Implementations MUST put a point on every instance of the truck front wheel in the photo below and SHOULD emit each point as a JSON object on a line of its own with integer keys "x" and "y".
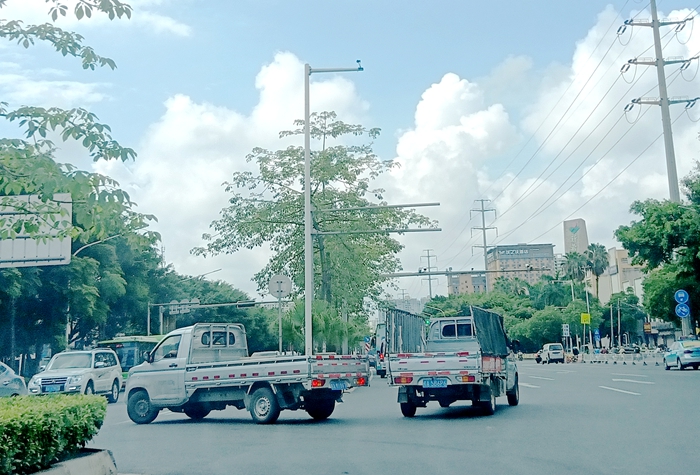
{"x": 264, "y": 408}
{"x": 320, "y": 409}
{"x": 408, "y": 409}
{"x": 140, "y": 409}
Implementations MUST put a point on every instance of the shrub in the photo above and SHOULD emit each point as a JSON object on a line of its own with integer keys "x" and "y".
{"x": 38, "y": 431}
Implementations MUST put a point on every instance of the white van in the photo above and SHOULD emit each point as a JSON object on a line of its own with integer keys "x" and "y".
{"x": 552, "y": 353}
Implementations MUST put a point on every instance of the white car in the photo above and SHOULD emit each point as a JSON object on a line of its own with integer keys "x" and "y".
{"x": 552, "y": 353}
{"x": 80, "y": 372}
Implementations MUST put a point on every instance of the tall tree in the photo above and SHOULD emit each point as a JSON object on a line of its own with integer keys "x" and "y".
{"x": 666, "y": 240}
{"x": 267, "y": 208}
{"x": 597, "y": 257}
{"x": 575, "y": 265}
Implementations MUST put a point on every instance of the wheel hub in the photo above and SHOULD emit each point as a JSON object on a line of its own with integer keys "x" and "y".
{"x": 262, "y": 407}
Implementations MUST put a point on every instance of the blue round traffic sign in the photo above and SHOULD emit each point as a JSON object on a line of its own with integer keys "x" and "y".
{"x": 681, "y": 296}
{"x": 682, "y": 310}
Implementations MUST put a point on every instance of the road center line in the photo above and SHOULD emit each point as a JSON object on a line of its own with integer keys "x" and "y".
{"x": 528, "y": 385}
{"x": 633, "y": 381}
{"x": 620, "y": 390}
{"x": 542, "y": 377}
{"x": 628, "y": 374}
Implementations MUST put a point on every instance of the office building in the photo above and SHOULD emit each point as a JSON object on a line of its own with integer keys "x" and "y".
{"x": 528, "y": 262}
{"x": 467, "y": 282}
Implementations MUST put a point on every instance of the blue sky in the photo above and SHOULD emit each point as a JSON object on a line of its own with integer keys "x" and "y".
{"x": 467, "y": 94}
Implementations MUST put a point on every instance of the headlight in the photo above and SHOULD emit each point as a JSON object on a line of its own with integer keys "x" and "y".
{"x": 35, "y": 382}
{"x": 75, "y": 379}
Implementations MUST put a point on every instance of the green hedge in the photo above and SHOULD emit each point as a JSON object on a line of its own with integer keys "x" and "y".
{"x": 38, "y": 431}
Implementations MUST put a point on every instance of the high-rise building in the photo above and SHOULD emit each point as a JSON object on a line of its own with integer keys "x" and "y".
{"x": 575, "y": 236}
{"x": 466, "y": 282}
{"x": 528, "y": 262}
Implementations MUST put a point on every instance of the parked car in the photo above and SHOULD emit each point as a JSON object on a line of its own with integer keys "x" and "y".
{"x": 10, "y": 383}
{"x": 552, "y": 353}
{"x": 682, "y": 354}
{"x": 87, "y": 372}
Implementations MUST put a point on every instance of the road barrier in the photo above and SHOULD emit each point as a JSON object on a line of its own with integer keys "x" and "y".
{"x": 647, "y": 358}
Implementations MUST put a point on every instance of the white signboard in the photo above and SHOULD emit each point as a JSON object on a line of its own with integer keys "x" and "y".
{"x": 23, "y": 251}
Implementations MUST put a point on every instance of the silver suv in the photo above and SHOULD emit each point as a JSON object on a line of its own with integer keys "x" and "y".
{"x": 85, "y": 372}
{"x": 552, "y": 353}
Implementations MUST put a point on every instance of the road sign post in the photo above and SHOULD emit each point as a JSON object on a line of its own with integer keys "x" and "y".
{"x": 683, "y": 310}
{"x": 279, "y": 287}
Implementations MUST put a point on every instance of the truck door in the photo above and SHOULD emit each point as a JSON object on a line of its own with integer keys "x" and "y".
{"x": 167, "y": 372}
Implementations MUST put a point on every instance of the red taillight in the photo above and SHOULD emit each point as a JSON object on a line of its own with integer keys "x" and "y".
{"x": 403, "y": 380}
{"x": 381, "y": 356}
{"x": 317, "y": 383}
{"x": 361, "y": 381}
{"x": 466, "y": 379}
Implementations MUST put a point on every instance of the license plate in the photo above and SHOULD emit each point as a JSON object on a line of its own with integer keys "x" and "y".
{"x": 338, "y": 385}
{"x": 435, "y": 383}
{"x": 53, "y": 388}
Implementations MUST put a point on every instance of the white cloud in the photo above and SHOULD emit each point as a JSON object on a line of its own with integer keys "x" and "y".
{"x": 37, "y": 12}
{"x": 19, "y": 89}
{"x": 194, "y": 147}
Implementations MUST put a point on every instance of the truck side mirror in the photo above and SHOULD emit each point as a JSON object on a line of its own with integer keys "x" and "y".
{"x": 147, "y": 356}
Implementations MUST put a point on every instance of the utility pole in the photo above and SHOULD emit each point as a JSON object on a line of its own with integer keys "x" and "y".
{"x": 663, "y": 100}
{"x": 483, "y": 210}
{"x": 429, "y": 269}
{"x": 619, "y": 333}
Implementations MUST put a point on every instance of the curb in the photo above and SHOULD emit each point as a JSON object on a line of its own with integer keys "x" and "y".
{"x": 86, "y": 462}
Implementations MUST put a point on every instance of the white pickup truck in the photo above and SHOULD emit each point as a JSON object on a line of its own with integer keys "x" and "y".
{"x": 464, "y": 358}
{"x": 206, "y": 367}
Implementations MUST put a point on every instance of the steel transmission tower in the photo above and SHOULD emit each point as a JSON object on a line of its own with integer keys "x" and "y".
{"x": 663, "y": 100}
{"x": 483, "y": 210}
{"x": 429, "y": 269}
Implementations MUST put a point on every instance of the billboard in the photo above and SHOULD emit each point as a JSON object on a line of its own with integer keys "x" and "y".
{"x": 44, "y": 248}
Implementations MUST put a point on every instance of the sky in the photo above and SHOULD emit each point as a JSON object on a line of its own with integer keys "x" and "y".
{"x": 520, "y": 102}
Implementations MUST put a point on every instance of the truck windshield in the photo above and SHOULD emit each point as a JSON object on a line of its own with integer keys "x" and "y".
{"x": 66, "y": 361}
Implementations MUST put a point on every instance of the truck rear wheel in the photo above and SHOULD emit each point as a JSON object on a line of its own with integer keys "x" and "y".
{"x": 514, "y": 395}
{"x": 408, "y": 409}
{"x": 264, "y": 408}
{"x": 489, "y": 407}
{"x": 140, "y": 409}
{"x": 196, "y": 412}
{"x": 320, "y": 409}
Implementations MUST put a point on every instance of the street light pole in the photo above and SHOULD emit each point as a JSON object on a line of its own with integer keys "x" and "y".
{"x": 308, "y": 244}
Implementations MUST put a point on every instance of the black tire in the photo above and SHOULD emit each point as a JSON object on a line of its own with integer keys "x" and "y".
{"x": 196, "y": 412}
{"x": 264, "y": 408}
{"x": 680, "y": 365}
{"x": 514, "y": 396}
{"x": 140, "y": 409}
{"x": 320, "y": 409}
{"x": 444, "y": 403}
{"x": 90, "y": 388}
{"x": 666, "y": 366}
{"x": 408, "y": 409}
{"x": 113, "y": 395}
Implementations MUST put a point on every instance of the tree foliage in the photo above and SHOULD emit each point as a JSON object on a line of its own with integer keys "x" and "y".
{"x": 666, "y": 240}
{"x": 266, "y": 208}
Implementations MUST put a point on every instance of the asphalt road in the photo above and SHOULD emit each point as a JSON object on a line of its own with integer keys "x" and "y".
{"x": 574, "y": 418}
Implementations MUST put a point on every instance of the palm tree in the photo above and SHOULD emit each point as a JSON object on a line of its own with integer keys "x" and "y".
{"x": 575, "y": 266}
{"x": 597, "y": 258}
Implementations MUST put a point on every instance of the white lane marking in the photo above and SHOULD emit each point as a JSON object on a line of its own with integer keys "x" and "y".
{"x": 542, "y": 377}
{"x": 628, "y": 374}
{"x": 565, "y": 372}
{"x": 528, "y": 385}
{"x": 620, "y": 390}
{"x": 633, "y": 381}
